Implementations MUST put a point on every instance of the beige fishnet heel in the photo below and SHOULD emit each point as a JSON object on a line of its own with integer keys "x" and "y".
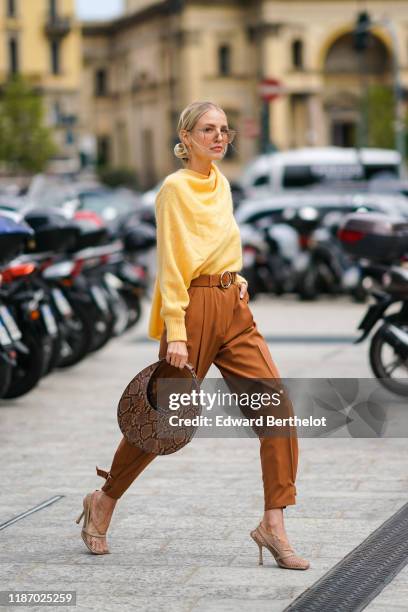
{"x": 283, "y": 553}
{"x": 87, "y": 513}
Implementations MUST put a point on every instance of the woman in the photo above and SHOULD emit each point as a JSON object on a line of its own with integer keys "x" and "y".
{"x": 200, "y": 314}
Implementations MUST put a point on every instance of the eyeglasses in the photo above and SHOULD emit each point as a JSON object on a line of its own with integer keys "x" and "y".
{"x": 209, "y": 134}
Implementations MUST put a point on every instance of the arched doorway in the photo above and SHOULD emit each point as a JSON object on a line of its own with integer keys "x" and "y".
{"x": 347, "y": 75}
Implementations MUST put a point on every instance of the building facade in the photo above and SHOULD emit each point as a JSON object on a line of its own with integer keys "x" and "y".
{"x": 41, "y": 40}
{"x": 141, "y": 70}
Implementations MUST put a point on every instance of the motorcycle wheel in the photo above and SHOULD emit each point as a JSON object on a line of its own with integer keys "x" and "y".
{"x": 77, "y": 336}
{"x": 102, "y": 330}
{"x": 29, "y": 367}
{"x": 380, "y": 369}
{"x": 359, "y": 294}
{"x": 307, "y": 285}
{"x": 54, "y": 354}
{"x": 5, "y": 376}
{"x": 121, "y": 315}
{"x": 134, "y": 308}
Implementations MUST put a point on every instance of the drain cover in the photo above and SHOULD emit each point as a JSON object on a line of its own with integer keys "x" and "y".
{"x": 358, "y": 578}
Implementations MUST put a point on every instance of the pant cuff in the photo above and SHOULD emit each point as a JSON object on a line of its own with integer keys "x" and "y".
{"x": 288, "y": 499}
{"x": 107, "y": 487}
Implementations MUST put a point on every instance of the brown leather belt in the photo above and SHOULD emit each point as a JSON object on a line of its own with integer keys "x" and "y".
{"x": 225, "y": 279}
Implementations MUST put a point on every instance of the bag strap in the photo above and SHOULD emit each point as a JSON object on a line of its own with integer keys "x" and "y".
{"x": 188, "y": 365}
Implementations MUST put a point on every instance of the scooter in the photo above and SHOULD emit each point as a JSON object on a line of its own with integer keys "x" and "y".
{"x": 389, "y": 345}
{"x": 380, "y": 242}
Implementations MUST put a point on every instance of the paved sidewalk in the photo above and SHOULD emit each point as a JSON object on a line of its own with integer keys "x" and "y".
{"x": 180, "y": 535}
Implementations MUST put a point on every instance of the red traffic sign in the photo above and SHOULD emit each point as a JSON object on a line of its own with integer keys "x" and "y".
{"x": 269, "y": 89}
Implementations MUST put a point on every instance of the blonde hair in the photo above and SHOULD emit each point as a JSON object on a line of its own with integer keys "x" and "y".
{"x": 188, "y": 119}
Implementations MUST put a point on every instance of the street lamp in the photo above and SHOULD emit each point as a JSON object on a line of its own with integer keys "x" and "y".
{"x": 361, "y": 31}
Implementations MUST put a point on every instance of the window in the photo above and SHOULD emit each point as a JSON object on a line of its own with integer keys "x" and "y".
{"x": 13, "y": 55}
{"x": 101, "y": 82}
{"x": 103, "y": 150}
{"x": 69, "y": 137}
{"x": 53, "y": 8}
{"x": 262, "y": 179}
{"x": 55, "y": 56}
{"x": 11, "y": 8}
{"x": 299, "y": 176}
{"x": 371, "y": 170}
{"x": 264, "y": 218}
{"x": 57, "y": 115}
{"x": 224, "y": 60}
{"x": 297, "y": 54}
{"x": 343, "y": 133}
{"x": 317, "y": 174}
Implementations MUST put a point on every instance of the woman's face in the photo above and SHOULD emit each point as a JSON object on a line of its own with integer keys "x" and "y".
{"x": 208, "y": 139}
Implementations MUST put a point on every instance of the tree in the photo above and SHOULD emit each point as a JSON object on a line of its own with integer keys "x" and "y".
{"x": 379, "y": 108}
{"x": 25, "y": 142}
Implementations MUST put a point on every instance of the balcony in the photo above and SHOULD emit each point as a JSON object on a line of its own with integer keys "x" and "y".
{"x": 57, "y": 27}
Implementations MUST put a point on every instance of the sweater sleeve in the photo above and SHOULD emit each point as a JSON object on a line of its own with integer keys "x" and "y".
{"x": 173, "y": 267}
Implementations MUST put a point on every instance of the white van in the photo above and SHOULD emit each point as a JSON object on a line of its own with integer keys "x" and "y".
{"x": 305, "y": 167}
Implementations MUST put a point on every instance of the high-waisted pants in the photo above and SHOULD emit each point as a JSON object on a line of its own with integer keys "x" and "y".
{"x": 221, "y": 330}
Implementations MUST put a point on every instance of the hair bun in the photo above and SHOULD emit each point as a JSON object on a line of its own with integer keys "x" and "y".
{"x": 181, "y": 151}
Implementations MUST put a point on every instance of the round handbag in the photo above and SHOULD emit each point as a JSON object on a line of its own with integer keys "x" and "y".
{"x": 145, "y": 421}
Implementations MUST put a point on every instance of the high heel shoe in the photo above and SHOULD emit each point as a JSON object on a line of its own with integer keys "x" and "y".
{"x": 283, "y": 553}
{"x": 86, "y": 512}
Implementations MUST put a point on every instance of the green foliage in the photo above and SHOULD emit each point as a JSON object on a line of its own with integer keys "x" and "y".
{"x": 379, "y": 106}
{"x": 25, "y": 141}
{"x": 118, "y": 177}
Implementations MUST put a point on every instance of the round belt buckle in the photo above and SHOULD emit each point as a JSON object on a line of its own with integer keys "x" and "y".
{"x": 229, "y": 279}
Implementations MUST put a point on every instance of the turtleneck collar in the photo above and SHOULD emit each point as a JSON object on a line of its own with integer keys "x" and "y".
{"x": 202, "y": 182}
{"x": 200, "y": 175}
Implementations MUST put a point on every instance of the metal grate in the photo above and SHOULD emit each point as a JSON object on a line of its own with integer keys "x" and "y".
{"x": 358, "y": 578}
{"x": 36, "y": 508}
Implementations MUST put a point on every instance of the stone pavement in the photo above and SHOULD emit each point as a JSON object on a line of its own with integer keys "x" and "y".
{"x": 179, "y": 538}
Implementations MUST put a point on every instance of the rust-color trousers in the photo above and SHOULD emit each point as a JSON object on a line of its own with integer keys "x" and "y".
{"x": 221, "y": 330}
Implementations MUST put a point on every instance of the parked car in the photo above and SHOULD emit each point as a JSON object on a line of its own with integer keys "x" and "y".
{"x": 114, "y": 206}
{"x": 300, "y": 168}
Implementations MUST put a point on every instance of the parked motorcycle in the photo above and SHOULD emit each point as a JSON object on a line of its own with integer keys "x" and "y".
{"x": 76, "y": 285}
{"x": 324, "y": 267}
{"x": 383, "y": 243}
{"x": 25, "y": 314}
{"x": 269, "y": 257}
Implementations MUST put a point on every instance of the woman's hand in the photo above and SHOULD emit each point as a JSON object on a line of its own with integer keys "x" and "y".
{"x": 243, "y": 287}
{"x": 177, "y": 354}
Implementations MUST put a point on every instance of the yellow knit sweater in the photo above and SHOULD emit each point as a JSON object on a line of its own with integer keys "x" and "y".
{"x": 196, "y": 234}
